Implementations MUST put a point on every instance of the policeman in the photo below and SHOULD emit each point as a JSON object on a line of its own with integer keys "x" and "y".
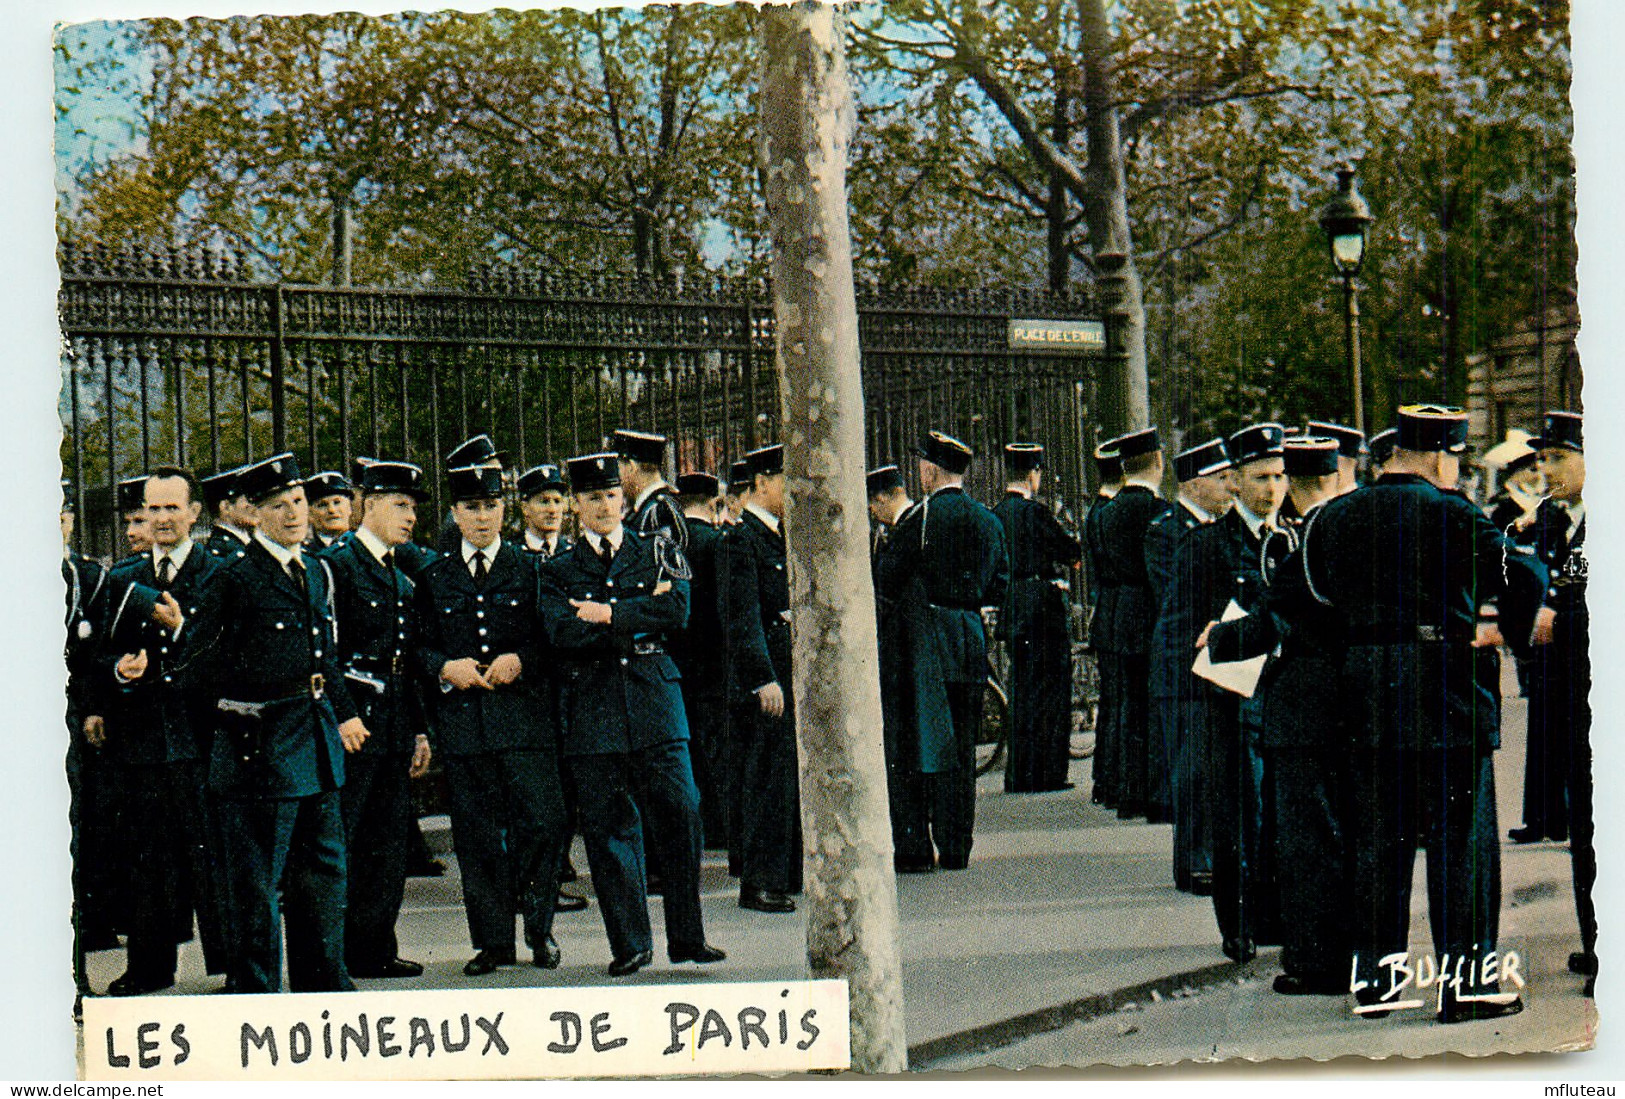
{"x": 700, "y": 650}
{"x": 733, "y": 505}
{"x": 482, "y": 652}
{"x": 1423, "y": 726}
{"x": 1126, "y": 605}
{"x": 608, "y": 606}
{"x": 132, "y": 510}
{"x": 651, "y": 503}
{"x": 330, "y": 505}
{"x": 1175, "y": 695}
{"x": 1350, "y": 447}
{"x": 1034, "y": 625}
{"x": 755, "y": 608}
{"x": 943, "y": 564}
{"x": 1217, "y": 564}
{"x": 90, "y": 791}
{"x": 1381, "y": 449}
{"x": 263, "y": 653}
{"x": 1104, "y": 771}
{"x": 1303, "y": 743}
{"x": 888, "y": 500}
{"x": 231, "y": 515}
{"x": 543, "y": 503}
{"x": 156, "y": 738}
{"x": 479, "y": 452}
{"x": 1560, "y": 662}
{"x": 377, "y": 633}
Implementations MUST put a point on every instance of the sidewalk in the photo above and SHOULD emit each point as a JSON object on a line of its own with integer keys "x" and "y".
{"x": 1063, "y": 943}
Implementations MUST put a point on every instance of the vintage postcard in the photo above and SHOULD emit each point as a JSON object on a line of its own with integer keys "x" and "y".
{"x": 917, "y": 537}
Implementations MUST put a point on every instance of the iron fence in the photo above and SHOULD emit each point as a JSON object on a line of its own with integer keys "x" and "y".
{"x": 182, "y": 357}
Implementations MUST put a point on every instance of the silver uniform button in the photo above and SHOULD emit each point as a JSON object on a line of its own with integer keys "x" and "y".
{"x": 479, "y": 614}
{"x": 623, "y": 660}
{"x": 485, "y": 648}
{"x": 279, "y": 625}
{"x": 482, "y": 631}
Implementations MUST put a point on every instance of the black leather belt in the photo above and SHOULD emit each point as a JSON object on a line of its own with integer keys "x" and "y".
{"x": 648, "y": 648}
{"x": 311, "y": 686}
{"x": 973, "y": 608}
{"x": 380, "y": 665}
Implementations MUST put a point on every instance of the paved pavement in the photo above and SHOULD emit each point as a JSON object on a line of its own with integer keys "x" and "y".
{"x": 1064, "y": 943}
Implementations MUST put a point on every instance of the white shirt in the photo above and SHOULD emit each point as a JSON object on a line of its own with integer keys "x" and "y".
{"x": 1253, "y": 522}
{"x": 375, "y": 545}
{"x": 490, "y": 554}
{"x": 1154, "y": 486}
{"x": 615, "y": 537}
{"x": 764, "y": 515}
{"x": 283, "y": 554}
{"x": 1202, "y": 516}
{"x": 537, "y": 542}
{"x": 178, "y": 553}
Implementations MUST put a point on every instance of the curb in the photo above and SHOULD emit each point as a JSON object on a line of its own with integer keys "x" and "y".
{"x": 926, "y": 1055}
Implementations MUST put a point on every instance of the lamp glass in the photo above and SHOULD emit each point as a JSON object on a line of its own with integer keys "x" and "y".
{"x": 1347, "y": 251}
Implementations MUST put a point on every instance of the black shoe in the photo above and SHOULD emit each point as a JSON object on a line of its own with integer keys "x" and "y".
{"x": 102, "y": 939}
{"x": 765, "y": 900}
{"x": 704, "y": 954}
{"x": 569, "y": 902}
{"x": 953, "y": 863}
{"x": 625, "y": 967}
{"x": 1290, "y": 984}
{"x": 1584, "y": 963}
{"x": 656, "y": 886}
{"x": 906, "y": 864}
{"x": 1240, "y": 950}
{"x": 1202, "y": 884}
{"x": 1367, "y": 997}
{"x": 131, "y": 985}
{"x": 387, "y": 970}
{"x": 487, "y": 961}
{"x": 546, "y": 956}
{"x": 1460, "y": 1011}
{"x": 1525, "y": 834}
{"x": 429, "y": 868}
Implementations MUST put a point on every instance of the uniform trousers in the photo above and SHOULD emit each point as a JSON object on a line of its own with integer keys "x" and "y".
{"x": 614, "y": 835}
{"x": 940, "y": 809}
{"x": 1105, "y": 771}
{"x": 299, "y": 844}
{"x": 1180, "y": 721}
{"x": 173, "y": 868}
{"x": 376, "y": 805}
{"x": 771, "y": 795}
{"x": 1547, "y": 754}
{"x": 1559, "y": 704}
{"x": 1134, "y": 779}
{"x": 708, "y": 723}
{"x": 1439, "y": 798}
{"x": 1236, "y": 806}
{"x": 1040, "y": 700}
{"x": 1310, "y": 844}
{"x": 509, "y": 830}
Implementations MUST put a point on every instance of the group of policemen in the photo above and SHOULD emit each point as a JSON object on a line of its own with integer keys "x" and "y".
{"x": 1301, "y": 673}
{"x": 246, "y": 713}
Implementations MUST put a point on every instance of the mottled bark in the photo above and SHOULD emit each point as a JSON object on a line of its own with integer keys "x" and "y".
{"x": 851, "y": 894}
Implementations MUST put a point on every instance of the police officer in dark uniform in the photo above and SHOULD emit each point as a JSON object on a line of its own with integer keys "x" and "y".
{"x": 652, "y": 505}
{"x": 1104, "y": 770}
{"x": 1380, "y": 450}
{"x": 888, "y": 501}
{"x": 1405, "y": 562}
{"x": 755, "y": 608}
{"x": 1176, "y": 696}
{"x": 1034, "y": 625}
{"x": 231, "y": 516}
{"x": 543, "y": 500}
{"x": 157, "y": 737}
{"x": 480, "y": 452}
{"x": 1351, "y": 447}
{"x": 700, "y": 650}
{"x": 330, "y": 495}
{"x": 1215, "y": 565}
{"x": 378, "y": 632}
{"x": 944, "y": 563}
{"x": 1560, "y": 661}
{"x": 733, "y": 503}
{"x": 132, "y": 509}
{"x": 1126, "y": 603}
{"x": 608, "y": 606}
{"x": 1303, "y": 742}
{"x": 263, "y": 654}
{"x": 90, "y": 778}
{"x": 482, "y": 655}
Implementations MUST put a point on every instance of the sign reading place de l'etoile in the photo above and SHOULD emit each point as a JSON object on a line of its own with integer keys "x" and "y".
{"x": 1047, "y": 335}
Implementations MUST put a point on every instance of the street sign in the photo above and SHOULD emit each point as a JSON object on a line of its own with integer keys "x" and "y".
{"x": 1047, "y": 335}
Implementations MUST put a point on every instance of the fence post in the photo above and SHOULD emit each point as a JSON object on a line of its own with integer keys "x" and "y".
{"x": 279, "y": 396}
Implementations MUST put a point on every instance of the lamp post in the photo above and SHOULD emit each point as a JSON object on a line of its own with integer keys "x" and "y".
{"x": 1346, "y": 219}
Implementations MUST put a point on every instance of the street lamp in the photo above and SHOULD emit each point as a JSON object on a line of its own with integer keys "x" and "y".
{"x": 1346, "y": 219}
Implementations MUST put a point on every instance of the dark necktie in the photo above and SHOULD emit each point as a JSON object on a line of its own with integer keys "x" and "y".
{"x": 606, "y": 552}
{"x": 389, "y": 560}
{"x": 480, "y": 570}
{"x": 296, "y": 572}
{"x": 166, "y": 573}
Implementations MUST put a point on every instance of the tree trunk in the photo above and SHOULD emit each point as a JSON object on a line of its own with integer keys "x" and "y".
{"x": 851, "y": 904}
{"x": 1128, "y": 392}
{"x": 1058, "y": 209}
{"x": 343, "y": 240}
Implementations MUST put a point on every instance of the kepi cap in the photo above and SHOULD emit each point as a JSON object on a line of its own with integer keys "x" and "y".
{"x": 1312, "y": 455}
{"x": 1256, "y": 443}
{"x": 944, "y": 451}
{"x": 473, "y": 452}
{"x": 1432, "y": 428}
{"x": 638, "y": 446}
{"x": 589, "y": 472}
{"x": 698, "y": 484}
{"x": 539, "y": 477}
{"x": 883, "y": 479}
{"x": 1350, "y": 441}
{"x": 1108, "y": 463}
{"x": 1136, "y": 443}
{"x": 265, "y": 478}
{"x": 329, "y": 482}
{"x": 1023, "y": 457}
{"x": 766, "y": 461}
{"x": 1381, "y": 447}
{"x": 382, "y": 478}
{"x": 1199, "y": 461}
{"x": 474, "y": 483}
{"x": 739, "y": 476}
{"x": 219, "y": 488}
{"x": 1562, "y": 430}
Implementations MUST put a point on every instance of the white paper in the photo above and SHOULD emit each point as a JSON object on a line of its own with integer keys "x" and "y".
{"x": 1237, "y": 676}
